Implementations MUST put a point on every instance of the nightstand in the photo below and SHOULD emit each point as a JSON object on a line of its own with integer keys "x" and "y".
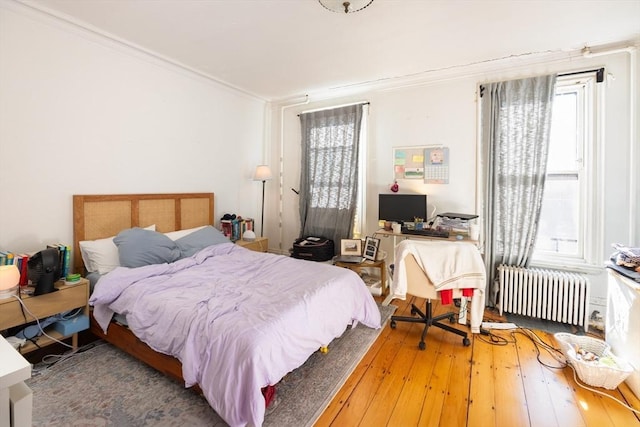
{"x": 357, "y": 267}
{"x": 66, "y": 298}
{"x": 260, "y": 244}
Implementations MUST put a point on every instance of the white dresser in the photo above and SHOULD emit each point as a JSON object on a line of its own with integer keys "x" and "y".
{"x": 16, "y": 398}
{"x": 622, "y": 325}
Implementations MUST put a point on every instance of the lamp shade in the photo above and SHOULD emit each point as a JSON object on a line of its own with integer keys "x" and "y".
{"x": 263, "y": 173}
{"x": 9, "y": 276}
{"x": 9, "y": 279}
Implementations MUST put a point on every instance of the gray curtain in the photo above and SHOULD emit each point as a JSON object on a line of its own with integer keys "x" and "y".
{"x": 329, "y": 172}
{"x": 516, "y": 125}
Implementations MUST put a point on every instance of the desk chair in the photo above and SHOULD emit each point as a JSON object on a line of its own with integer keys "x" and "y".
{"x": 418, "y": 284}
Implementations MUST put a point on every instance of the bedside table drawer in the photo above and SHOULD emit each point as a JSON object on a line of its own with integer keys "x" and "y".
{"x": 66, "y": 298}
{"x": 261, "y": 244}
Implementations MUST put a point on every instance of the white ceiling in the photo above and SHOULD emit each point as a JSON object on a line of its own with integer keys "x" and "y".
{"x": 277, "y": 49}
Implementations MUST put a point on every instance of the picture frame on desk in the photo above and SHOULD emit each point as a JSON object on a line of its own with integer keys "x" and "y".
{"x": 371, "y": 245}
{"x": 350, "y": 247}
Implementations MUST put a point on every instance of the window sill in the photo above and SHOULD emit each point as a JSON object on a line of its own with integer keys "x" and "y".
{"x": 566, "y": 265}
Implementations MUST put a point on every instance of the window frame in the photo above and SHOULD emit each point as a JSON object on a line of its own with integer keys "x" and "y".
{"x": 359, "y": 223}
{"x": 591, "y": 209}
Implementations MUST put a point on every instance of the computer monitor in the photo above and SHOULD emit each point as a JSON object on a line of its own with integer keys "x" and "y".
{"x": 402, "y": 208}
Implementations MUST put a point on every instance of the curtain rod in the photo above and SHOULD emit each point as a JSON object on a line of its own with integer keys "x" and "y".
{"x": 337, "y": 106}
{"x": 599, "y": 76}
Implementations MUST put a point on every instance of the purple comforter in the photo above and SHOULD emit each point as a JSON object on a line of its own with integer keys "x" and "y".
{"x": 238, "y": 320}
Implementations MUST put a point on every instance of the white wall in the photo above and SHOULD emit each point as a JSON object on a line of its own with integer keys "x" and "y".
{"x": 82, "y": 114}
{"x": 444, "y": 111}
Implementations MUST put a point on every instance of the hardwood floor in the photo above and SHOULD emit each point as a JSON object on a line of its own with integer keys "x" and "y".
{"x": 486, "y": 384}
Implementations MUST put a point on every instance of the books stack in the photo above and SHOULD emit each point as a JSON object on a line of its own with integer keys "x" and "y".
{"x": 21, "y": 261}
{"x": 226, "y": 226}
{"x": 235, "y": 228}
{"x": 64, "y": 256}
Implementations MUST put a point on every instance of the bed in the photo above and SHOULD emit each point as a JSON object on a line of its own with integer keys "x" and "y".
{"x": 219, "y": 317}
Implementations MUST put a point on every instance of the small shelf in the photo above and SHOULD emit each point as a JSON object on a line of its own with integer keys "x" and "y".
{"x": 67, "y": 297}
{"x": 43, "y": 341}
{"x": 381, "y": 278}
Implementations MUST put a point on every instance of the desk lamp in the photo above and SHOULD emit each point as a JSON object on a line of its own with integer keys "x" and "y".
{"x": 263, "y": 173}
{"x": 9, "y": 279}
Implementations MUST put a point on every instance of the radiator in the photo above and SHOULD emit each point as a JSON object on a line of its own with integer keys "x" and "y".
{"x": 545, "y": 294}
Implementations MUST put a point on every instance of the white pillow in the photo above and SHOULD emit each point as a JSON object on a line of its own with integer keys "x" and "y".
{"x": 175, "y": 235}
{"x": 101, "y": 255}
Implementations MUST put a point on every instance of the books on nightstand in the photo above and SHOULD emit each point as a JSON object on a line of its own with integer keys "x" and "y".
{"x": 21, "y": 261}
{"x": 235, "y": 228}
{"x": 64, "y": 252}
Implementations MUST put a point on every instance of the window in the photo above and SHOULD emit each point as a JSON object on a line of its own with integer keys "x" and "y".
{"x": 330, "y": 173}
{"x": 568, "y": 228}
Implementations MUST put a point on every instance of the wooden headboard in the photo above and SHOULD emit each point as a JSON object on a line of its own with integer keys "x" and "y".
{"x": 105, "y": 215}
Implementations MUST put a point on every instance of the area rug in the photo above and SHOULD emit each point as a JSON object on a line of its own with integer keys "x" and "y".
{"x": 104, "y": 386}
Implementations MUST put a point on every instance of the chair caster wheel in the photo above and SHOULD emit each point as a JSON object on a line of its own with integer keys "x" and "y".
{"x": 413, "y": 312}
{"x": 466, "y": 342}
{"x": 422, "y": 345}
{"x": 392, "y": 324}
{"x": 452, "y": 319}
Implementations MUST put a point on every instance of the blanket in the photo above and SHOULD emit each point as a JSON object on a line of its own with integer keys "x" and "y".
{"x": 238, "y": 320}
{"x": 449, "y": 265}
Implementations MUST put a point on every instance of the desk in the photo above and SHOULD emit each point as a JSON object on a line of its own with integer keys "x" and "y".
{"x": 623, "y": 323}
{"x": 385, "y": 233}
{"x": 451, "y": 238}
{"x": 14, "y": 370}
{"x": 368, "y": 264}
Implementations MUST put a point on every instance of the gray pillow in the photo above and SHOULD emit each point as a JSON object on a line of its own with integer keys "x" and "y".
{"x": 200, "y": 239}
{"x": 138, "y": 247}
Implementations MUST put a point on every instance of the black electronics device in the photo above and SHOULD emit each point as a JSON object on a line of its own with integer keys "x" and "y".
{"x": 44, "y": 270}
{"x": 427, "y": 232}
{"x": 313, "y": 249}
{"x": 402, "y": 207}
{"x": 464, "y": 217}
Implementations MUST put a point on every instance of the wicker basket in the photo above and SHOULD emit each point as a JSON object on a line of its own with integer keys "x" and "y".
{"x": 593, "y": 373}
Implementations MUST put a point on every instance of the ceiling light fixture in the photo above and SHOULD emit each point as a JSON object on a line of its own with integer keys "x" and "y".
{"x": 342, "y": 6}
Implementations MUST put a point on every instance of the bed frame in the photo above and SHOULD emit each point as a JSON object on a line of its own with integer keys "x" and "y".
{"x": 101, "y": 216}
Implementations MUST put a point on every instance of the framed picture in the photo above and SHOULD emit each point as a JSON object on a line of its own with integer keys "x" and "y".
{"x": 350, "y": 247}
{"x": 371, "y": 245}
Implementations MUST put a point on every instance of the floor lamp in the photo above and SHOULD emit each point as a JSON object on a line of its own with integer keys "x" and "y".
{"x": 263, "y": 173}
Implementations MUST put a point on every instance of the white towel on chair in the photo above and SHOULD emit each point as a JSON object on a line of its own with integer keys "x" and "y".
{"x": 449, "y": 265}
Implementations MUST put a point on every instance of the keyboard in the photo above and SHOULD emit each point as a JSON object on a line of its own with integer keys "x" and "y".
{"x": 427, "y": 232}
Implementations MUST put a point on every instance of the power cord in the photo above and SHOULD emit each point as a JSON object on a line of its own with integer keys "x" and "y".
{"x": 555, "y": 353}
{"x": 24, "y": 315}
{"x": 50, "y": 360}
{"x": 599, "y": 392}
{"x": 22, "y": 304}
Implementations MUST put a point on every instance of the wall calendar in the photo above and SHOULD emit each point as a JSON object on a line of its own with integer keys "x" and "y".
{"x": 436, "y": 160}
